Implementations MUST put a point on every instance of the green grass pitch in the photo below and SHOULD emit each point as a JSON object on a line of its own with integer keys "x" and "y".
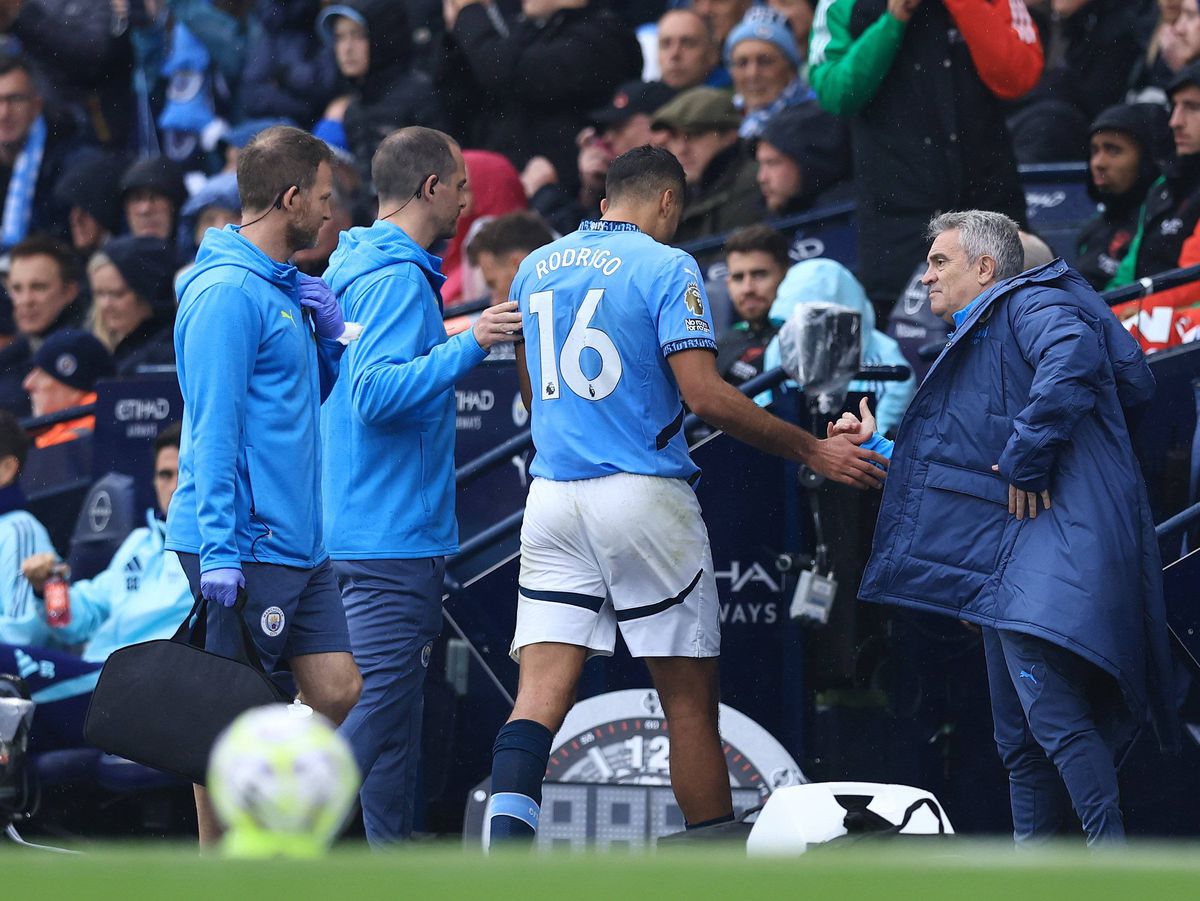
{"x": 959, "y": 870}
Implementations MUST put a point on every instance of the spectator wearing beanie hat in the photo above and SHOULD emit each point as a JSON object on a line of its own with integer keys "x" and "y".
{"x": 762, "y": 56}
{"x": 133, "y": 301}
{"x": 65, "y": 371}
{"x": 90, "y": 191}
{"x": 152, "y": 193}
{"x": 803, "y": 161}
{"x": 1129, "y": 143}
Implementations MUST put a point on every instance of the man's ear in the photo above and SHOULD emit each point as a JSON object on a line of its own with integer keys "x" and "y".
{"x": 603, "y": 206}
{"x": 987, "y": 269}
{"x": 290, "y": 197}
{"x": 667, "y": 202}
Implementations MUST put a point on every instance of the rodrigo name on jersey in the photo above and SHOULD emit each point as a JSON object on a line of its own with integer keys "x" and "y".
{"x": 603, "y": 308}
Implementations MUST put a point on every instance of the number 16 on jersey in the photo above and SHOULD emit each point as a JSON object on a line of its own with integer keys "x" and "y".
{"x": 570, "y": 362}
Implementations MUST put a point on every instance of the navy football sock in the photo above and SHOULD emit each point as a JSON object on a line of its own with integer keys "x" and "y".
{"x": 519, "y": 759}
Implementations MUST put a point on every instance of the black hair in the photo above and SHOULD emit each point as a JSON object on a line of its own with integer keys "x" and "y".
{"x": 275, "y": 160}
{"x": 39, "y": 244}
{"x": 761, "y": 238}
{"x": 14, "y": 62}
{"x": 644, "y": 173}
{"x": 168, "y": 437}
{"x": 407, "y": 157}
{"x": 13, "y": 440}
{"x": 521, "y": 231}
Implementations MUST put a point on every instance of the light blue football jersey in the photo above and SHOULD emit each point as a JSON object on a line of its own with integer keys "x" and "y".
{"x": 602, "y": 310}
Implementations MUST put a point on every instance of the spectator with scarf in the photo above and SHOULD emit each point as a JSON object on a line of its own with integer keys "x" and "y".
{"x": 762, "y": 56}
{"x": 33, "y": 156}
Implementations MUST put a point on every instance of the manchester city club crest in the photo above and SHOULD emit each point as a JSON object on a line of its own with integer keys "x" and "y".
{"x": 272, "y": 621}
{"x": 691, "y": 297}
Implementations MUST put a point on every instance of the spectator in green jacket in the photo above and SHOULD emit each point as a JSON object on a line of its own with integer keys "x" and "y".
{"x": 926, "y": 115}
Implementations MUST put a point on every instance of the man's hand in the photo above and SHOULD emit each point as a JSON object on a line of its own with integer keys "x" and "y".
{"x": 538, "y": 173}
{"x": 594, "y": 158}
{"x": 316, "y": 296}
{"x": 903, "y": 9}
{"x": 37, "y": 569}
{"x": 1019, "y": 501}
{"x": 336, "y": 111}
{"x": 221, "y": 585}
{"x": 842, "y": 460}
{"x": 857, "y": 431}
{"x": 498, "y": 324}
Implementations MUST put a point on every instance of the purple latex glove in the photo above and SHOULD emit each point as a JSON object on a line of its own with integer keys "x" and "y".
{"x": 221, "y": 585}
{"x": 316, "y": 296}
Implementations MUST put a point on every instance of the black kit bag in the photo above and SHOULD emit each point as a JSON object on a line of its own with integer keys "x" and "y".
{"x": 163, "y": 703}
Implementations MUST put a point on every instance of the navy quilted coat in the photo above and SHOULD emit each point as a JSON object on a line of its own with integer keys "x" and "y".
{"x": 1035, "y": 379}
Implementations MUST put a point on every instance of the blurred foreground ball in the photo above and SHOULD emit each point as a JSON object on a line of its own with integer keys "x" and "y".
{"x": 282, "y": 782}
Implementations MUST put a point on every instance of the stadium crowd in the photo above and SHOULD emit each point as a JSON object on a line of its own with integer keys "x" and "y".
{"x": 121, "y": 124}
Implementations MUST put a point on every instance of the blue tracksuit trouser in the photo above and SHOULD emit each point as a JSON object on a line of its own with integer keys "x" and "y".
{"x": 61, "y": 685}
{"x": 394, "y": 611}
{"x": 1057, "y": 721}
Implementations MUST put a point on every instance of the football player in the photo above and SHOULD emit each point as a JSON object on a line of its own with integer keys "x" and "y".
{"x": 617, "y": 328}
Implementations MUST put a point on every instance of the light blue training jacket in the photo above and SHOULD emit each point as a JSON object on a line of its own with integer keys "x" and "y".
{"x": 388, "y": 428}
{"x": 141, "y": 595}
{"x": 21, "y": 619}
{"x": 253, "y": 375}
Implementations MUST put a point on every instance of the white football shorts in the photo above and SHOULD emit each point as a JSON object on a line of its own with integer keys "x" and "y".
{"x": 628, "y": 551}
